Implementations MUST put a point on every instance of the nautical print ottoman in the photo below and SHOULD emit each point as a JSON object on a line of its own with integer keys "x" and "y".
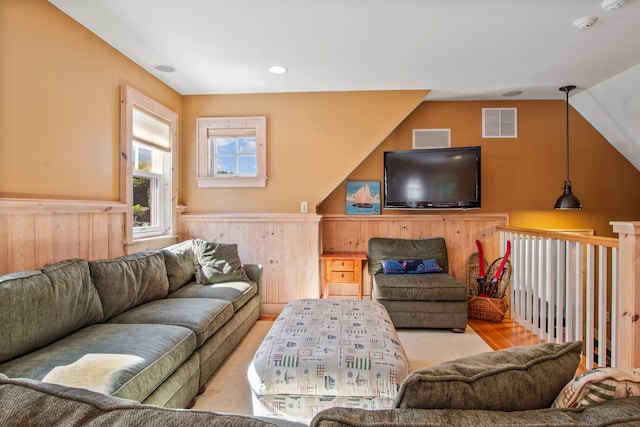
{"x": 322, "y": 353}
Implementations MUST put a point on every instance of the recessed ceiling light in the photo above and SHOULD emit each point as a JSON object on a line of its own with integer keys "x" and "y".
{"x": 512, "y": 93}
{"x": 165, "y": 68}
{"x": 278, "y": 69}
{"x": 585, "y": 22}
{"x": 609, "y": 5}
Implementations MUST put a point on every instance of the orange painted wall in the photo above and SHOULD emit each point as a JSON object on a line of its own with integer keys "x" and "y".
{"x": 60, "y": 124}
{"x": 524, "y": 176}
{"x": 60, "y": 105}
{"x": 314, "y": 140}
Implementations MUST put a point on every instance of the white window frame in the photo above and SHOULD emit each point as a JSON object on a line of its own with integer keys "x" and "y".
{"x": 206, "y": 125}
{"x": 167, "y": 197}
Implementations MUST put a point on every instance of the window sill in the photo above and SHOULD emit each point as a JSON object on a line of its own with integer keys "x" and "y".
{"x": 234, "y": 181}
{"x": 149, "y": 243}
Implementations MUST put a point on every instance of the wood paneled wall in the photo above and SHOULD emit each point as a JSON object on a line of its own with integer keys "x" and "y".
{"x": 460, "y": 231}
{"x": 286, "y": 245}
{"x": 39, "y": 232}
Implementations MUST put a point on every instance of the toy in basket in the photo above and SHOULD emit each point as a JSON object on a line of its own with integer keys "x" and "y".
{"x": 486, "y": 291}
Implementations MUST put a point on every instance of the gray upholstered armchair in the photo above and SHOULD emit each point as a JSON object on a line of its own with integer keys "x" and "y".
{"x": 430, "y": 300}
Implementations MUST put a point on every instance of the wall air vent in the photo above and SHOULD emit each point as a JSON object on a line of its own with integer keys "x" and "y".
{"x": 499, "y": 122}
{"x": 431, "y": 138}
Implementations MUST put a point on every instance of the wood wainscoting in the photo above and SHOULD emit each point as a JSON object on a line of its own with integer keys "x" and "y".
{"x": 345, "y": 233}
{"x": 38, "y": 232}
{"x": 286, "y": 245}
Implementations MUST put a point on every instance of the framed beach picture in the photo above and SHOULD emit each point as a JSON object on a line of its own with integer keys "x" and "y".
{"x": 363, "y": 197}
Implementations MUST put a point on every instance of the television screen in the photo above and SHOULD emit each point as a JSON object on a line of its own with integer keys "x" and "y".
{"x": 436, "y": 178}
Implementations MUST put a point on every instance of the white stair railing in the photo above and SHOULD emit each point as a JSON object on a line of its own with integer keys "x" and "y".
{"x": 563, "y": 288}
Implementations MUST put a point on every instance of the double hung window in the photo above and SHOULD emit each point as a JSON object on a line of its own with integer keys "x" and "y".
{"x": 149, "y": 146}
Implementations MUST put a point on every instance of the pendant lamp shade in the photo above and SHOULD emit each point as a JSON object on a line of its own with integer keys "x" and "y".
{"x": 567, "y": 200}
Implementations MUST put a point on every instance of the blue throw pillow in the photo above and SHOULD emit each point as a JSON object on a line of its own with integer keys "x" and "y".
{"x": 410, "y": 266}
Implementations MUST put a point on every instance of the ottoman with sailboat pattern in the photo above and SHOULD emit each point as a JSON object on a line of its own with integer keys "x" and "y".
{"x": 323, "y": 353}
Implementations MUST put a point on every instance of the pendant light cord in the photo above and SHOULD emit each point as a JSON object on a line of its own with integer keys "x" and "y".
{"x": 566, "y": 90}
{"x": 567, "y": 130}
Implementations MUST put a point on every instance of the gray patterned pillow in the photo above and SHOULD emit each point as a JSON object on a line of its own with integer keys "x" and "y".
{"x": 513, "y": 379}
{"x": 217, "y": 262}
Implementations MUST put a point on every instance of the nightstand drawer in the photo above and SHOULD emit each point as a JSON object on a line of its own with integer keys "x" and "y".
{"x": 341, "y": 276}
{"x": 342, "y": 265}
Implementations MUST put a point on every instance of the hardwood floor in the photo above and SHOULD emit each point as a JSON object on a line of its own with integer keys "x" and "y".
{"x": 508, "y": 334}
{"x": 504, "y": 334}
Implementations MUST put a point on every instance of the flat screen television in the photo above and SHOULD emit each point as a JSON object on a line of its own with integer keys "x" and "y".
{"x": 435, "y": 178}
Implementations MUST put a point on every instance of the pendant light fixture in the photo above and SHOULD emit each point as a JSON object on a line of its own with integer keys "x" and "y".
{"x": 567, "y": 200}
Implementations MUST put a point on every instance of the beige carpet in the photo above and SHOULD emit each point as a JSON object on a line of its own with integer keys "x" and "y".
{"x": 228, "y": 390}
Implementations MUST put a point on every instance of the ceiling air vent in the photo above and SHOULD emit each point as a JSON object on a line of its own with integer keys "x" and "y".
{"x": 431, "y": 138}
{"x": 499, "y": 122}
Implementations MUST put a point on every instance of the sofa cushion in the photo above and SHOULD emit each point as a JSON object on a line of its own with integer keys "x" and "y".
{"x": 391, "y": 248}
{"x": 513, "y": 379}
{"x": 179, "y": 260}
{"x": 598, "y": 385}
{"x": 22, "y": 401}
{"x": 236, "y": 292}
{"x": 418, "y": 287}
{"x": 127, "y": 361}
{"x": 36, "y": 305}
{"x": 203, "y": 316}
{"x": 622, "y": 412}
{"x": 129, "y": 281}
{"x": 217, "y": 262}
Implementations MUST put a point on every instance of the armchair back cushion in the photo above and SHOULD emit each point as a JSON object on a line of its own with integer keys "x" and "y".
{"x": 381, "y": 248}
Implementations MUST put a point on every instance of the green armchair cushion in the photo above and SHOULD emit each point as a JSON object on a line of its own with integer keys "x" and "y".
{"x": 392, "y": 248}
{"x": 513, "y": 379}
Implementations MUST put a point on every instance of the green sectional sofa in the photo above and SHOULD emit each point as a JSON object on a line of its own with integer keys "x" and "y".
{"x": 136, "y": 327}
{"x": 517, "y": 386}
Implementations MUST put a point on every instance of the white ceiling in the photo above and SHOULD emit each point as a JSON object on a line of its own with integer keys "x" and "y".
{"x": 462, "y": 49}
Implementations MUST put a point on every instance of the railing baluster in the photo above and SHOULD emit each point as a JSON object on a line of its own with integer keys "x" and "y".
{"x": 615, "y": 280}
{"x": 603, "y": 306}
{"x": 553, "y": 292}
{"x": 556, "y": 293}
{"x": 590, "y": 305}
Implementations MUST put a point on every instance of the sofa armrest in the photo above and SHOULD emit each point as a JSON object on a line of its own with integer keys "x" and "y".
{"x": 254, "y": 272}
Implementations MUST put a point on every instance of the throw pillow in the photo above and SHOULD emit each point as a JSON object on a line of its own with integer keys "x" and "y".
{"x": 598, "y": 385}
{"x": 410, "y": 266}
{"x": 217, "y": 262}
{"x": 513, "y": 379}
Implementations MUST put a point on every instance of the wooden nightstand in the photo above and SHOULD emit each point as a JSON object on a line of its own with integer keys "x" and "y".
{"x": 342, "y": 267}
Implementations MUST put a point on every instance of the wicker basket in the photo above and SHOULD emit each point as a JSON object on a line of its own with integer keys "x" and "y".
{"x": 483, "y": 308}
{"x": 473, "y": 272}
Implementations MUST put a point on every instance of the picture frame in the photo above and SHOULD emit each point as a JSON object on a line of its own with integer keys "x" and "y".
{"x": 363, "y": 198}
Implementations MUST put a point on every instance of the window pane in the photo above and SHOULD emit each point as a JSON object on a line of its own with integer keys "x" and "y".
{"x": 225, "y": 145}
{"x": 247, "y": 145}
{"x": 225, "y": 165}
{"x": 247, "y": 165}
{"x": 142, "y": 201}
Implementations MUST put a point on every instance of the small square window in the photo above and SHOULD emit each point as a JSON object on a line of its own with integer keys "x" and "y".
{"x": 231, "y": 152}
